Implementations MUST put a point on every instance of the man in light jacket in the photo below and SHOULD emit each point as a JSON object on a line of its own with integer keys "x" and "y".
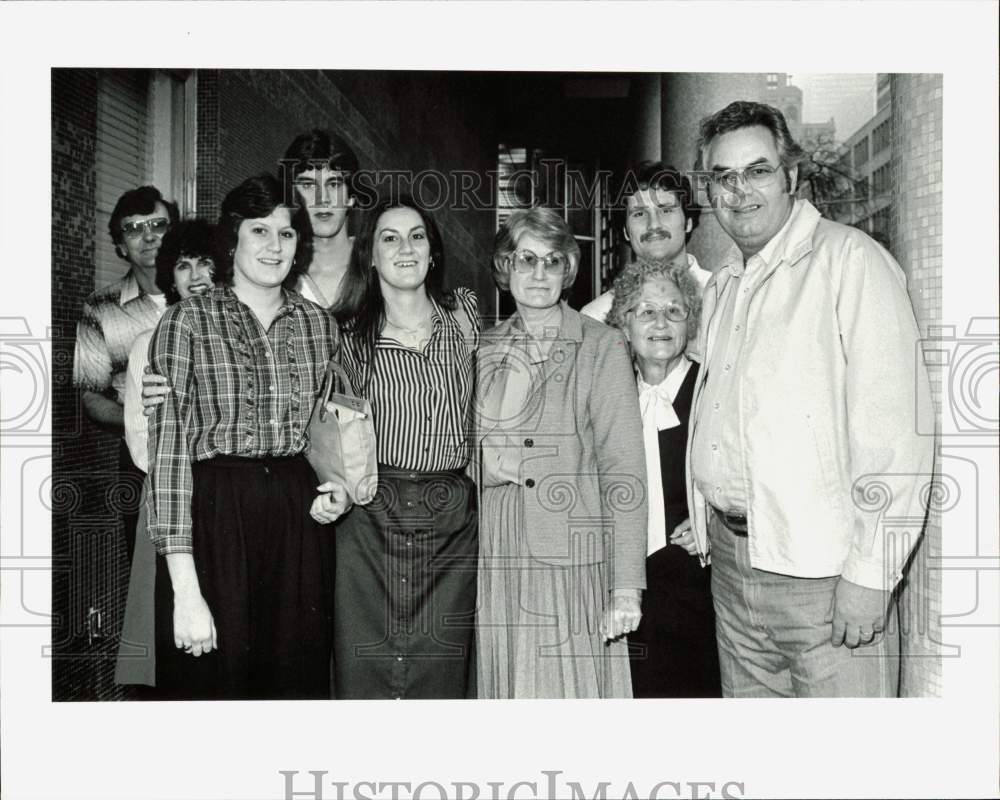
{"x": 804, "y": 429}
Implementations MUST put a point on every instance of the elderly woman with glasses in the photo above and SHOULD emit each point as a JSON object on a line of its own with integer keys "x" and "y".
{"x": 673, "y": 651}
{"x": 560, "y": 470}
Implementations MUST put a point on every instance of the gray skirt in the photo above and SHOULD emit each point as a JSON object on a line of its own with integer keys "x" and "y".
{"x": 538, "y": 626}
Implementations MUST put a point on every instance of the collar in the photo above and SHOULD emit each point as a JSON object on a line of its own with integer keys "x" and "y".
{"x": 789, "y": 244}
{"x": 225, "y": 294}
{"x": 130, "y": 288}
{"x": 671, "y": 384}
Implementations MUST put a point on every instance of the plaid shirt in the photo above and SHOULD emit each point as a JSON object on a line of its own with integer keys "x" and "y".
{"x": 112, "y": 319}
{"x": 237, "y": 390}
{"x": 421, "y": 399}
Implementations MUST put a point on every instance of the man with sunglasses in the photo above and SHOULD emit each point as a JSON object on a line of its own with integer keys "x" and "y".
{"x": 116, "y": 314}
{"x": 806, "y": 400}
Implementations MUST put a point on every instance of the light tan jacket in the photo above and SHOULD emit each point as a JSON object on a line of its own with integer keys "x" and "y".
{"x": 833, "y": 397}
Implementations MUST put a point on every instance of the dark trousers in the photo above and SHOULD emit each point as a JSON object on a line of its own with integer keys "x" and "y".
{"x": 265, "y": 570}
{"x": 404, "y": 611}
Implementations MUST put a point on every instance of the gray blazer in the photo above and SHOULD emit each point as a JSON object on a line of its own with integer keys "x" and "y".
{"x": 583, "y": 469}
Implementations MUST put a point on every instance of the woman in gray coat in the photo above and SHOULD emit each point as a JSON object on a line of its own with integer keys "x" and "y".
{"x": 561, "y": 472}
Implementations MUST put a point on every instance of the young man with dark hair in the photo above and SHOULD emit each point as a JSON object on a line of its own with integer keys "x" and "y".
{"x": 321, "y": 168}
{"x": 660, "y": 216}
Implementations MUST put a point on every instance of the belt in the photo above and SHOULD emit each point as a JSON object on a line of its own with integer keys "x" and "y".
{"x": 736, "y": 523}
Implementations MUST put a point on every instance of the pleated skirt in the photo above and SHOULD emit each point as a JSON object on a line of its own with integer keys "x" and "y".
{"x": 538, "y": 625}
{"x": 265, "y": 569}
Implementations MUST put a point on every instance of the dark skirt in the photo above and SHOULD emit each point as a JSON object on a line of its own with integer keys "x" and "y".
{"x": 265, "y": 569}
{"x": 673, "y": 653}
{"x": 405, "y": 595}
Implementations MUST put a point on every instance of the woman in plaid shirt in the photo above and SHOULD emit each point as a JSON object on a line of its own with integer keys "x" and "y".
{"x": 244, "y": 586}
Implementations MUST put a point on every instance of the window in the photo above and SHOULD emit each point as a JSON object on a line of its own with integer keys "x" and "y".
{"x": 772, "y": 80}
{"x": 881, "y": 136}
{"x": 860, "y": 153}
{"x": 881, "y": 181}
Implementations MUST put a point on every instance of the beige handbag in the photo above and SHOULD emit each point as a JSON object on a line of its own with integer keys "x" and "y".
{"x": 342, "y": 437}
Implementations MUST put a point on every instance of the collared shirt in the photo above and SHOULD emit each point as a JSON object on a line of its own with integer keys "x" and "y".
{"x": 421, "y": 398}
{"x": 598, "y": 308}
{"x": 236, "y": 390}
{"x": 716, "y": 451}
{"x": 111, "y": 320}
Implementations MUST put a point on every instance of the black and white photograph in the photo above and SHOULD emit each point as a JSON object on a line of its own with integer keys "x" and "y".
{"x": 560, "y": 368}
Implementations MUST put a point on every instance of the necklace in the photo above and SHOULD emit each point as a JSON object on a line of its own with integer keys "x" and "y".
{"x": 422, "y": 324}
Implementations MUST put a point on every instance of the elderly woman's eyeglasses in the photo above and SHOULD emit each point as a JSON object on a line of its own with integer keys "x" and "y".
{"x": 524, "y": 261}
{"x": 759, "y": 176}
{"x": 648, "y": 312}
{"x": 157, "y": 226}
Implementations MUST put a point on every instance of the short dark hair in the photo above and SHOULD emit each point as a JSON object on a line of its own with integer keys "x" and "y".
{"x": 747, "y": 114}
{"x": 137, "y": 201}
{"x": 658, "y": 175}
{"x": 190, "y": 237}
{"x": 256, "y": 198}
{"x": 319, "y": 145}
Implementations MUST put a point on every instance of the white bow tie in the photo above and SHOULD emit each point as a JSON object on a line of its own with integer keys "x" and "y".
{"x": 657, "y": 406}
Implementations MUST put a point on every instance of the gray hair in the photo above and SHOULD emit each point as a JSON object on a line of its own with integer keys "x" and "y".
{"x": 628, "y": 286}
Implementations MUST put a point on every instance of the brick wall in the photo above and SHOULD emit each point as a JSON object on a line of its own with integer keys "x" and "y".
{"x": 89, "y": 562}
{"x": 411, "y": 121}
{"x": 916, "y": 235}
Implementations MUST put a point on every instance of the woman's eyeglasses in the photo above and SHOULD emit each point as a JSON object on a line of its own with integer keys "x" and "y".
{"x": 648, "y": 312}
{"x": 524, "y": 261}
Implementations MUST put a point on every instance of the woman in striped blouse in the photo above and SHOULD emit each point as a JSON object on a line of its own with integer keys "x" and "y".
{"x": 406, "y": 563}
{"x": 243, "y": 598}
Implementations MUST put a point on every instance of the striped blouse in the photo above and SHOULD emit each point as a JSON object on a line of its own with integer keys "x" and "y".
{"x": 236, "y": 390}
{"x": 421, "y": 399}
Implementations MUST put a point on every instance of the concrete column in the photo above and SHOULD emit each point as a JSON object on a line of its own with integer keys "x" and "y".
{"x": 915, "y": 232}
{"x": 646, "y": 142}
{"x": 687, "y": 98}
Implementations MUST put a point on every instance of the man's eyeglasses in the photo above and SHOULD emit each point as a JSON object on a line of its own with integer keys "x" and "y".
{"x": 524, "y": 261}
{"x": 648, "y": 312}
{"x": 759, "y": 176}
{"x": 157, "y": 226}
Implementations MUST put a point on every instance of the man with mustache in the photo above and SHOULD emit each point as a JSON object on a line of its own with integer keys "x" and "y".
{"x": 114, "y": 316}
{"x": 660, "y": 216}
{"x": 808, "y": 397}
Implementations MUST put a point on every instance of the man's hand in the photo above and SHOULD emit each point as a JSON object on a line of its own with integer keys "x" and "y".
{"x": 622, "y": 615}
{"x": 857, "y": 613}
{"x": 331, "y": 503}
{"x": 683, "y": 536}
{"x": 154, "y": 390}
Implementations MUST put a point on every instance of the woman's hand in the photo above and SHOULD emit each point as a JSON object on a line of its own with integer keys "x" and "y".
{"x": 154, "y": 390}
{"x": 194, "y": 628}
{"x": 683, "y": 536}
{"x": 622, "y": 615}
{"x": 331, "y": 504}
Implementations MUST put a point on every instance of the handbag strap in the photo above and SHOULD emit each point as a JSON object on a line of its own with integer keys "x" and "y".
{"x": 335, "y": 371}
